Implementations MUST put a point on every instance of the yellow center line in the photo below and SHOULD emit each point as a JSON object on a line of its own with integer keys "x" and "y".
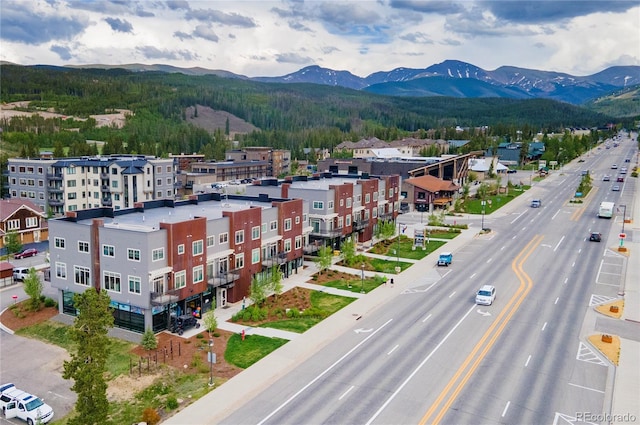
{"x": 500, "y": 323}
{"x": 578, "y": 213}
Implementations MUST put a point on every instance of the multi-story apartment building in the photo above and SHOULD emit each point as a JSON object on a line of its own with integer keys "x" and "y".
{"x": 339, "y": 206}
{"x": 229, "y": 170}
{"x": 166, "y": 258}
{"x": 71, "y": 184}
{"x": 278, "y": 160}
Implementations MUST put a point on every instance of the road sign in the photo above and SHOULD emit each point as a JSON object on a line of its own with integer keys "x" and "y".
{"x": 622, "y": 235}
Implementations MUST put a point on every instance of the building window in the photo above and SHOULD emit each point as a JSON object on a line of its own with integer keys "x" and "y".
{"x": 287, "y": 224}
{"x": 197, "y": 247}
{"x": 366, "y": 214}
{"x": 298, "y": 242}
{"x": 239, "y": 261}
{"x": 367, "y": 198}
{"x": 318, "y": 205}
{"x": 223, "y": 238}
{"x": 340, "y": 222}
{"x": 108, "y": 250}
{"x": 330, "y": 205}
{"x": 135, "y": 284}
{"x": 157, "y": 254}
{"x": 348, "y": 220}
{"x": 180, "y": 279}
{"x": 297, "y": 219}
{"x": 82, "y": 275}
{"x": 287, "y": 245}
{"x": 133, "y": 254}
{"x": 32, "y": 221}
{"x": 83, "y": 246}
{"x": 264, "y": 227}
{"x": 341, "y": 202}
{"x": 13, "y": 224}
{"x": 348, "y": 202}
{"x": 239, "y": 236}
{"x": 255, "y": 256}
{"x": 111, "y": 281}
{"x": 359, "y": 199}
{"x": 211, "y": 240}
{"x": 305, "y": 218}
{"x": 255, "y": 233}
{"x": 273, "y": 225}
{"x": 114, "y": 184}
{"x": 72, "y": 195}
{"x": 375, "y": 196}
{"x": 61, "y": 270}
{"x": 59, "y": 243}
{"x": 390, "y": 192}
{"x": 198, "y": 274}
{"x": 181, "y": 249}
{"x": 71, "y": 183}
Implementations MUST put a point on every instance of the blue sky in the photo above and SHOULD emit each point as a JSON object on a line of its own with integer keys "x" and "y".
{"x": 272, "y": 38}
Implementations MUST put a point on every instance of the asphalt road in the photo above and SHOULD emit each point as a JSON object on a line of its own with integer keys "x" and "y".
{"x": 433, "y": 356}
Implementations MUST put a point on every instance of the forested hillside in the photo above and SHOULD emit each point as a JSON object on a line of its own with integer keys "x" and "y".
{"x": 292, "y": 116}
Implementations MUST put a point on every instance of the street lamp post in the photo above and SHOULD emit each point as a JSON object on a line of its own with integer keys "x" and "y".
{"x": 362, "y": 290}
{"x": 211, "y": 362}
{"x": 624, "y": 215}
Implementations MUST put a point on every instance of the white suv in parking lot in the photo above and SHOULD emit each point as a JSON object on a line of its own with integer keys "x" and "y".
{"x": 20, "y": 273}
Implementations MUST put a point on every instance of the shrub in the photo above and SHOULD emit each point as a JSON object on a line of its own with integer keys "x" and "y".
{"x": 149, "y": 340}
{"x": 150, "y": 416}
{"x": 172, "y": 403}
{"x": 50, "y": 302}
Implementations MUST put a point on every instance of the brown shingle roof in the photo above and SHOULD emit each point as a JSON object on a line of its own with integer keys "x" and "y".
{"x": 433, "y": 184}
{"x": 8, "y": 207}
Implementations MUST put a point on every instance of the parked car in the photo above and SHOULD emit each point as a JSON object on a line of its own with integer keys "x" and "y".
{"x": 31, "y": 252}
{"x": 20, "y": 273}
{"x": 181, "y": 323}
{"x": 595, "y": 237}
{"x": 511, "y": 171}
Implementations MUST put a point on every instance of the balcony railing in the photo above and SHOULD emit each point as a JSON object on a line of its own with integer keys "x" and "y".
{"x": 360, "y": 224}
{"x": 55, "y": 189}
{"x": 52, "y": 176}
{"x": 224, "y": 279}
{"x": 311, "y": 248}
{"x": 327, "y": 233}
{"x": 107, "y": 202}
{"x": 104, "y": 188}
{"x": 164, "y": 298}
{"x": 276, "y": 260}
{"x": 55, "y": 202}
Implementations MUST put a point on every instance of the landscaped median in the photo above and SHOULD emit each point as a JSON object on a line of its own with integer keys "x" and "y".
{"x": 609, "y": 345}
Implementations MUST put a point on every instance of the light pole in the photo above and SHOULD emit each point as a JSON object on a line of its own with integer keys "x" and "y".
{"x": 624, "y": 215}
{"x": 362, "y": 290}
{"x": 211, "y": 362}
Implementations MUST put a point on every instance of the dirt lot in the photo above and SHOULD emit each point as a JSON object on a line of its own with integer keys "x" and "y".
{"x": 8, "y": 110}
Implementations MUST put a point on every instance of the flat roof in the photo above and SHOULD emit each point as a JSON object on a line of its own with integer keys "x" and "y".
{"x": 149, "y": 220}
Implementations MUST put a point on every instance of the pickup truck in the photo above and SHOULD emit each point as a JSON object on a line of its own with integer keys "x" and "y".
{"x": 22, "y": 405}
{"x": 445, "y": 259}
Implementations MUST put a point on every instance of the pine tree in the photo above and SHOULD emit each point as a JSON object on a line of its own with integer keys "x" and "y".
{"x": 88, "y": 363}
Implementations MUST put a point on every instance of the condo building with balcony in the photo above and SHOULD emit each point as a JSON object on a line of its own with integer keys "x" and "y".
{"x": 339, "y": 206}
{"x": 166, "y": 258}
{"x": 71, "y": 184}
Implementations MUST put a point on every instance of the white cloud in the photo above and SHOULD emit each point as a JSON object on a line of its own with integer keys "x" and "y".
{"x": 279, "y": 37}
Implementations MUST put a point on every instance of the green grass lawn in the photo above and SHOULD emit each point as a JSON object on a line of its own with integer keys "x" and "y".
{"x": 356, "y": 285}
{"x": 443, "y": 235}
{"x": 254, "y": 347}
{"x": 474, "y": 206}
{"x": 389, "y": 247}
{"x": 384, "y": 266}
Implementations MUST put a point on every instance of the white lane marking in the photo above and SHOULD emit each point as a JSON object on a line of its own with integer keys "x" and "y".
{"x": 345, "y": 393}
{"x": 519, "y": 215}
{"x": 489, "y": 260}
{"x": 422, "y": 363}
{"x": 559, "y": 242}
{"x": 557, "y": 300}
{"x": 503, "y": 247}
{"x": 514, "y": 237}
{"x": 528, "y": 360}
{"x": 472, "y": 276}
{"x": 524, "y": 228}
{"x": 586, "y": 388}
{"x": 392, "y": 350}
{"x": 504, "y": 412}
{"x": 426, "y": 318}
{"x": 452, "y": 294}
{"x": 580, "y": 250}
{"x": 544, "y": 326}
{"x": 566, "y": 279}
{"x": 327, "y": 370}
{"x": 573, "y": 264}
{"x": 554, "y": 216}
